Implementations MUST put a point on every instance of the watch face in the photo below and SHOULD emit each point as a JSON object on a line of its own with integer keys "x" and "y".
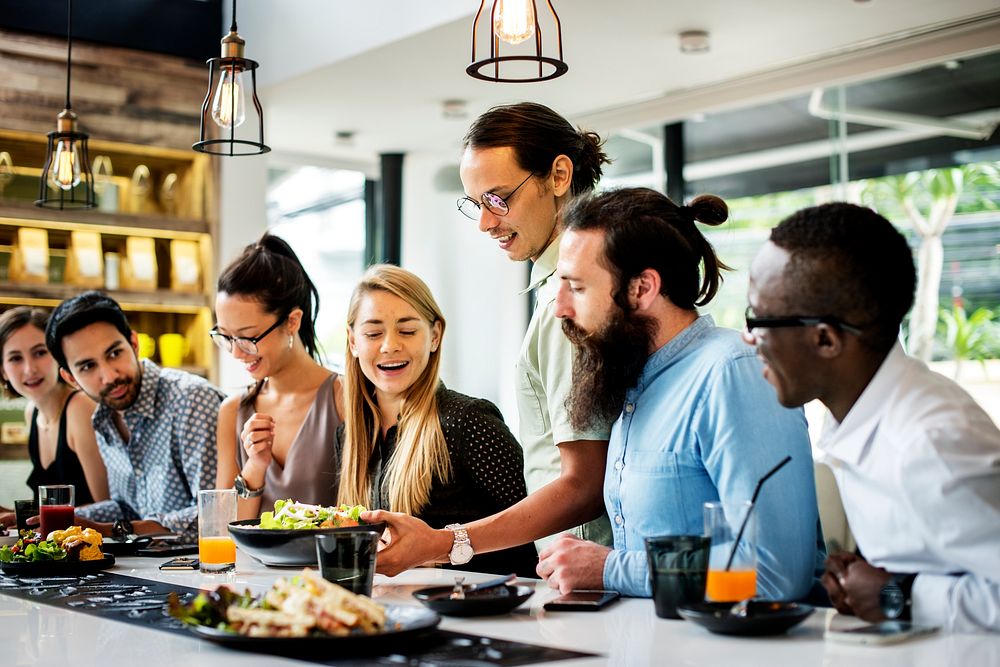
{"x": 892, "y": 600}
{"x": 461, "y": 554}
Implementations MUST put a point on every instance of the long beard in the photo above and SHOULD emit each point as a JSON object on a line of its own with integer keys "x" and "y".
{"x": 607, "y": 364}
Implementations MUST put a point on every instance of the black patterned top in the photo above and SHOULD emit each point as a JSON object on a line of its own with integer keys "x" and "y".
{"x": 487, "y": 476}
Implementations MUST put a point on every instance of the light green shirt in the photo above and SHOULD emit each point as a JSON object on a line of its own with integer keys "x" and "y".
{"x": 544, "y": 376}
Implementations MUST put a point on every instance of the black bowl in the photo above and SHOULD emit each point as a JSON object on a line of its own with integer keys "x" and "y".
{"x": 763, "y": 617}
{"x": 285, "y": 548}
{"x": 489, "y": 602}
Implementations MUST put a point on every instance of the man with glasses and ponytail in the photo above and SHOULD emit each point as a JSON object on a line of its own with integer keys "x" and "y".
{"x": 916, "y": 460}
{"x": 155, "y": 426}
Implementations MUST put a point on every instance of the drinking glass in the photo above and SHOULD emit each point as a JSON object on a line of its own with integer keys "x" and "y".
{"x": 677, "y": 568}
{"x": 736, "y": 580}
{"x": 216, "y": 549}
{"x": 348, "y": 559}
{"x": 55, "y": 507}
{"x": 24, "y": 510}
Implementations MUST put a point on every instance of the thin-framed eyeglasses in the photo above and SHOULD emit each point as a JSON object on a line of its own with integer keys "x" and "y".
{"x": 797, "y": 321}
{"x": 246, "y": 345}
{"x": 494, "y": 203}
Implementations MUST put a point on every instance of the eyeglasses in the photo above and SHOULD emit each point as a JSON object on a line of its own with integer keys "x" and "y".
{"x": 796, "y": 321}
{"x": 494, "y": 203}
{"x": 245, "y": 345}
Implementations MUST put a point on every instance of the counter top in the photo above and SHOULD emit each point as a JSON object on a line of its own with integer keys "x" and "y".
{"x": 627, "y": 632}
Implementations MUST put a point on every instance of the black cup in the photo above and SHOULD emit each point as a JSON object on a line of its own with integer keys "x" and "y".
{"x": 24, "y": 510}
{"x": 678, "y": 567}
{"x": 348, "y": 559}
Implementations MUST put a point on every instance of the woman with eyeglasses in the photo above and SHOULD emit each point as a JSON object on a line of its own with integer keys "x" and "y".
{"x": 409, "y": 444}
{"x": 61, "y": 441}
{"x": 276, "y": 439}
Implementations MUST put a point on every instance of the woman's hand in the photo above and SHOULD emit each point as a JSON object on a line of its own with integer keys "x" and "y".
{"x": 411, "y": 542}
{"x": 257, "y": 439}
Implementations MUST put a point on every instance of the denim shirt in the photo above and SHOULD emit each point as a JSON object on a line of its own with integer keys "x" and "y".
{"x": 170, "y": 454}
{"x": 703, "y": 425}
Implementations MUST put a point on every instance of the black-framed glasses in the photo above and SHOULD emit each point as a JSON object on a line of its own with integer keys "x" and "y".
{"x": 494, "y": 203}
{"x": 245, "y": 345}
{"x": 797, "y": 321}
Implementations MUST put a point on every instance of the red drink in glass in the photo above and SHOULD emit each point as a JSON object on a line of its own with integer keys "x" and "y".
{"x": 55, "y": 517}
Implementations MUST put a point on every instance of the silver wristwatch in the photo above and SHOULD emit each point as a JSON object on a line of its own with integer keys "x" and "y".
{"x": 244, "y": 491}
{"x": 461, "y": 549}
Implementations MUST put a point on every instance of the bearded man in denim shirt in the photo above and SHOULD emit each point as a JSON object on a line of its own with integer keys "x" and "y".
{"x": 695, "y": 421}
{"x": 155, "y": 427}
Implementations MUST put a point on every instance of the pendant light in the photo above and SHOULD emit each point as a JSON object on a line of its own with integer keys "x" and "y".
{"x": 514, "y": 22}
{"x": 67, "y": 181}
{"x": 226, "y": 101}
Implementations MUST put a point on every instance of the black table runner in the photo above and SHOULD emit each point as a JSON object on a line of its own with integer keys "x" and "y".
{"x": 143, "y": 602}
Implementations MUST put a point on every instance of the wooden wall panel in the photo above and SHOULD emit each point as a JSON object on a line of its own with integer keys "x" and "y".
{"x": 119, "y": 94}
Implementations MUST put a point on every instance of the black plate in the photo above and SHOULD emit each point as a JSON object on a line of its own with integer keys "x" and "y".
{"x": 403, "y": 623}
{"x": 490, "y": 602}
{"x": 147, "y": 546}
{"x": 763, "y": 617}
{"x": 57, "y": 568}
{"x": 285, "y": 548}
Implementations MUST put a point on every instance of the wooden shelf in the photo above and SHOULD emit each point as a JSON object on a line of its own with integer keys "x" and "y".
{"x": 49, "y": 296}
{"x": 23, "y": 214}
{"x": 13, "y": 452}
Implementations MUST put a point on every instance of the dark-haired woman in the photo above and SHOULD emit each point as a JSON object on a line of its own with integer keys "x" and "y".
{"x": 277, "y": 439}
{"x": 61, "y": 442}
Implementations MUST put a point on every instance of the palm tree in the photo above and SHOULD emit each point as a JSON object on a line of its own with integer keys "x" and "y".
{"x": 929, "y": 199}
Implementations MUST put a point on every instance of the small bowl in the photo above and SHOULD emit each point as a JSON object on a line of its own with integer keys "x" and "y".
{"x": 763, "y": 617}
{"x": 285, "y": 548}
{"x": 489, "y": 602}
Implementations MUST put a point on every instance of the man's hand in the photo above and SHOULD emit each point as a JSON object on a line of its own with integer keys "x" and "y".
{"x": 857, "y": 585}
{"x": 411, "y": 542}
{"x": 571, "y": 563}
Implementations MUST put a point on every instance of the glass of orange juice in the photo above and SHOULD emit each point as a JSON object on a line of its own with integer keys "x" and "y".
{"x": 216, "y": 550}
{"x": 732, "y": 576}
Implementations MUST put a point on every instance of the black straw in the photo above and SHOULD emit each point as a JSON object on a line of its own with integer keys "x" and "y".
{"x": 753, "y": 503}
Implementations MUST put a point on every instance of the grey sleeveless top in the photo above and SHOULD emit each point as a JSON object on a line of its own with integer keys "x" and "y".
{"x": 312, "y": 468}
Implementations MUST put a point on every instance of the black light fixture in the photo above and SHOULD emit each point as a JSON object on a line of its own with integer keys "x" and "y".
{"x": 513, "y": 22}
{"x": 225, "y": 102}
{"x": 66, "y": 180}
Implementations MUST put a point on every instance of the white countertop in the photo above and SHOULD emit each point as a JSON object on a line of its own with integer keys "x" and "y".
{"x": 627, "y": 632}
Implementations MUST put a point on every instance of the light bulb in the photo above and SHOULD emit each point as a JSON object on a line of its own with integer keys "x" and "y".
{"x": 514, "y": 20}
{"x": 65, "y": 174}
{"x": 229, "y": 102}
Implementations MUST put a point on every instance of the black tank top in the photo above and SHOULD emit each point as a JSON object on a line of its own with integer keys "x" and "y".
{"x": 65, "y": 468}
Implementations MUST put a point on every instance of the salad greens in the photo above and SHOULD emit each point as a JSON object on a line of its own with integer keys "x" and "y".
{"x": 209, "y": 607}
{"x": 290, "y": 515}
{"x": 31, "y": 548}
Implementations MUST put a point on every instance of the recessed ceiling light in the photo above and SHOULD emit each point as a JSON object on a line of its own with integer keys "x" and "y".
{"x": 454, "y": 109}
{"x": 694, "y": 41}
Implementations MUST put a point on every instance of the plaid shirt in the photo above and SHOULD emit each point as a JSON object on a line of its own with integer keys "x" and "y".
{"x": 170, "y": 455}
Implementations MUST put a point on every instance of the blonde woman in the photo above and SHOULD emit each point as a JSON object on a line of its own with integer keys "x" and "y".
{"x": 409, "y": 444}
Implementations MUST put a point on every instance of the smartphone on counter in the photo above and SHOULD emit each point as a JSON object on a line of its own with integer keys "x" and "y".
{"x": 582, "y": 600}
{"x": 886, "y": 632}
{"x": 181, "y": 564}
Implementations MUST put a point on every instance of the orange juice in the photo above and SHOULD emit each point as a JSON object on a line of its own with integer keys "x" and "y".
{"x": 731, "y": 586}
{"x": 216, "y": 550}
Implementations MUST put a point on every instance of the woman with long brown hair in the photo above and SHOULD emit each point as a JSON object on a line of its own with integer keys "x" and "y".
{"x": 409, "y": 444}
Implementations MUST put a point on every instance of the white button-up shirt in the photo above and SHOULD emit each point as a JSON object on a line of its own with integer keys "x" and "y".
{"x": 917, "y": 462}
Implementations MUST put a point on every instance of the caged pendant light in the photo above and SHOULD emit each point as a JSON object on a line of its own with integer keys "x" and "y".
{"x": 226, "y": 101}
{"x": 66, "y": 180}
{"x": 514, "y": 22}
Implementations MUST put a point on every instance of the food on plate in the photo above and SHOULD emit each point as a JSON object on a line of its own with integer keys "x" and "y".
{"x": 79, "y": 543}
{"x": 73, "y": 544}
{"x": 299, "y": 606}
{"x": 291, "y": 515}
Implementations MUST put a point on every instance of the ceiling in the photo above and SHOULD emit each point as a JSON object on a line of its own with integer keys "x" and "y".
{"x": 381, "y": 71}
